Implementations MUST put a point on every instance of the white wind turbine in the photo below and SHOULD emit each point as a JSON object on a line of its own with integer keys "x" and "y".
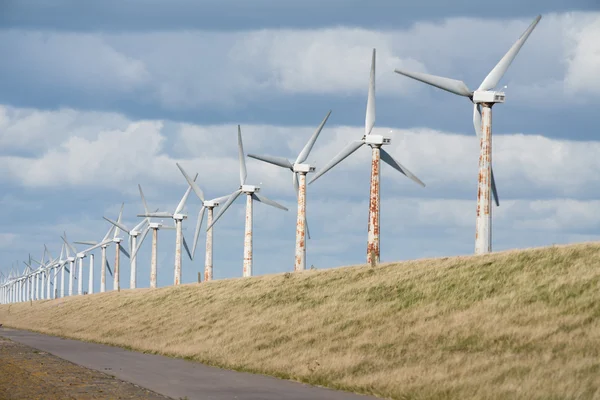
{"x": 378, "y": 153}
{"x": 155, "y": 226}
{"x": 484, "y": 97}
{"x": 178, "y": 216}
{"x": 104, "y": 264}
{"x": 251, "y": 192}
{"x": 210, "y": 206}
{"x": 299, "y": 170}
{"x": 133, "y": 235}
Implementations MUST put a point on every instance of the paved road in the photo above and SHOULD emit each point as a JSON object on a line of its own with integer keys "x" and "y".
{"x": 172, "y": 377}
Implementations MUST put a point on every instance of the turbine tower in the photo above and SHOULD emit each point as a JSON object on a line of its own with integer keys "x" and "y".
{"x": 483, "y": 99}
{"x": 210, "y": 206}
{"x": 378, "y": 153}
{"x": 104, "y": 265}
{"x": 251, "y": 192}
{"x": 299, "y": 170}
{"x": 178, "y": 217}
{"x": 133, "y": 235}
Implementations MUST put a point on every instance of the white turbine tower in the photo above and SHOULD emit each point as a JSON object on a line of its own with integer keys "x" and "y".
{"x": 155, "y": 226}
{"x": 483, "y": 98}
{"x": 378, "y": 153}
{"x": 178, "y": 216}
{"x": 104, "y": 265}
{"x": 210, "y": 206}
{"x": 251, "y": 193}
{"x": 133, "y": 235}
{"x": 299, "y": 170}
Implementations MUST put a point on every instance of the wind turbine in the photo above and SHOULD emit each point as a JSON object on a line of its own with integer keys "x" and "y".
{"x": 484, "y": 97}
{"x": 104, "y": 265}
{"x": 210, "y": 206}
{"x": 378, "y": 153}
{"x": 133, "y": 235}
{"x": 251, "y": 192}
{"x": 155, "y": 226}
{"x": 178, "y": 217}
{"x": 299, "y": 171}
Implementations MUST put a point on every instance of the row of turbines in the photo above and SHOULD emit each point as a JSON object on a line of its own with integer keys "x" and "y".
{"x": 42, "y": 282}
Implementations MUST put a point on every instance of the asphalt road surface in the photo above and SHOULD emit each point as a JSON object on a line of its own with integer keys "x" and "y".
{"x": 175, "y": 378}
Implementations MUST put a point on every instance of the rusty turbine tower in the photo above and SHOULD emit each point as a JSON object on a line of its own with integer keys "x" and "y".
{"x": 375, "y": 142}
{"x": 483, "y": 99}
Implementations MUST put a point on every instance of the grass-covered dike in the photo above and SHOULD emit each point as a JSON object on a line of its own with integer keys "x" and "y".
{"x": 521, "y": 324}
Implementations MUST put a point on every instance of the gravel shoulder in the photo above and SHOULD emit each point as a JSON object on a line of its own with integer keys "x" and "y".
{"x": 27, "y": 373}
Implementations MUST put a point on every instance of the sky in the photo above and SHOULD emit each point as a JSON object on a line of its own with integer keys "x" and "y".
{"x": 96, "y": 98}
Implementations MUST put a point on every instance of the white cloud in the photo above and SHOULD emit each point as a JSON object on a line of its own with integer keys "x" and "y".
{"x": 187, "y": 69}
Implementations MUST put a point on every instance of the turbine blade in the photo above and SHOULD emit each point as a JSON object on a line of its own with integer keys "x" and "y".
{"x": 117, "y": 224}
{"x": 450, "y": 85}
{"x": 108, "y": 267}
{"x": 279, "y": 161}
{"x": 187, "y": 249}
{"x": 370, "y": 115}
{"x": 192, "y": 183}
{"x": 181, "y": 204}
{"x": 232, "y": 198}
{"x": 118, "y": 220}
{"x": 144, "y": 234}
{"x": 110, "y": 230}
{"x": 346, "y": 151}
{"x": 221, "y": 199}
{"x": 97, "y": 245}
{"x": 243, "y": 173}
{"x": 139, "y": 226}
{"x": 494, "y": 190}
{"x": 492, "y": 79}
{"x": 122, "y": 249}
{"x": 69, "y": 246}
{"x": 197, "y": 232}
{"x": 143, "y": 198}
{"x": 86, "y": 243}
{"x": 388, "y": 159}
{"x": 266, "y": 200}
{"x": 306, "y": 227}
{"x": 161, "y": 214}
{"x": 311, "y": 142}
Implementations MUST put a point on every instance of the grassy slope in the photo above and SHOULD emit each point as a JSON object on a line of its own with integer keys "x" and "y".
{"x": 520, "y": 324}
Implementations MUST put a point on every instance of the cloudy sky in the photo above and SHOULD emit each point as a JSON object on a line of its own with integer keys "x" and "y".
{"x": 96, "y": 98}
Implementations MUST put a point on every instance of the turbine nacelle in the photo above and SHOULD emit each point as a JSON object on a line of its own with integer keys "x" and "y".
{"x": 488, "y": 96}
{"x": 179, "y": 217}
{"x": 81, "y": 255}
{"x": 249, "y": 189}
{"x": 155, "y": 225}
{"x": 70, "y": 259}
{"x": 304, "y": 168}
{"x": 117, "y": 240}
{"x": 376, "y": 140}
{"x": 210, "y": 203}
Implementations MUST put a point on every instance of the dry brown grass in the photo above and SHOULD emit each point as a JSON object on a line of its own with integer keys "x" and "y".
{"x": 519, "y": 324}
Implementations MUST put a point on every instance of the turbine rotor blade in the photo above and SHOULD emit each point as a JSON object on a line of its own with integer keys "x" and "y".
{"x": 221, "y": 199}
{"x": 192, "y": 183}
{"x": 477, "y": 119}
{"x": 494, "y": 190}
{"x": 116, "y": 234}
{"x": 492, "y": 79}
{"x": 184, "y": 198}
{"x": 143, "y": 198}
{"x": 370, "y": 115}
{"x": 122, "y": 249}
{"x": 232, "y": 198}
{"x": 197, "y": 232}
{"x": 311, "y": 142}
{"x": 161, "y": 214}
{"x": 346, "y": 151}
{"x": 139, "y": 244}
{"x": 117, "y": 224}
{"x": 87, "y": 243}
{"x": 388, "y": 159}
{"x": 187, "y": 249}
{"x": 279, "y": 161}
{"x": 266, "y": 200}
{"x": 243, "y": 172}
{"x": 450, "y": 85}
{"x": 108, "y": 267}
